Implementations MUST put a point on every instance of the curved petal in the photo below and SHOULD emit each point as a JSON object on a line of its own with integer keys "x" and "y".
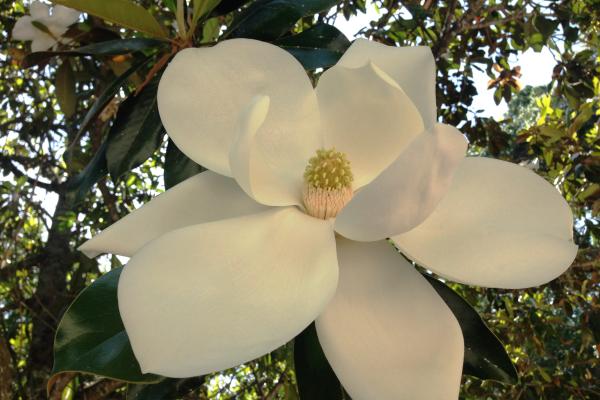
{"x": 64, "y": 16}
{"x": 368, "y": 116}
{"x": 386, "y": 333}
{"x": 203, "y": 92}
{"x": 412, "y": 67}
{"x": 408, "y": 190}
{"x": 500, "y": 225}
{"x": 24, "y": 30}
{"x": 208, "y": 297}
{"x": 42, "y": 42}
{"x": 39, "y": 10}
{"x": 266, "y": 181}
{"x": 202, "y": 198}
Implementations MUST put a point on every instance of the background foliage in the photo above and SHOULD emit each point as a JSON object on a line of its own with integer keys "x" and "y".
{"x": 79, "y": 150}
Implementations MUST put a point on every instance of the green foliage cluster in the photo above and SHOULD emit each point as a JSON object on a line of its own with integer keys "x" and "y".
{"x": 82, "y": 145}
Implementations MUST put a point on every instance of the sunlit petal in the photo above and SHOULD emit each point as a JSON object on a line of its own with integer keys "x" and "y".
{"x": 202, "y": 198}
{"x": 386, "y": 333}
{"x": 275, "y": 181}
{"x": 368, "y": 116}
{"x": 407, "y": 191}
{"x": 412, "y": 67}
{"x": 500, "y": 225}
{"x": 204, "y": 90}
{"x": 211, "y": 296}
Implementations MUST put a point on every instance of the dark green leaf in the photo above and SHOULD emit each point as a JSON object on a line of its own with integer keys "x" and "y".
{"x": 227, "y": 6}
{"x": 106, "y": 48}
{"x": 122, "y": 12}
{"x": 269, "y": 19}
{"x": 79, "y": 187}
{"x": 545, "y": 26}
{"x": 136, "y": 132}
{"x": 498, "y": 95}
{"x": 91, "y": 338}
{"x": 202, "y": 8}
{"x": 485, "y": 356}
{"x": 317, "y": 47}
{"x": 65, "y": 89}
{"x": 316, "y": 380}
{"x": 39, "y": 25}
{"x": 108, "y": 94}
{"x": 178, "y": 167}
{"x": 171, "y": 5}
{"x": 166, "y": 389}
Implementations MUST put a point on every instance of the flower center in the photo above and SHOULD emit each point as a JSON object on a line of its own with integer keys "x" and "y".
{"x": 327, "y": 183}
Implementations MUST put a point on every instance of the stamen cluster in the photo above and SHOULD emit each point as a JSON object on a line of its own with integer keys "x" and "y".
{"x": 329, "y": 169}
{"x": 328, "y": 184}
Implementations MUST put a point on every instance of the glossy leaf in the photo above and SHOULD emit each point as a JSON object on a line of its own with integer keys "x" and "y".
{"x": 136, "y": 132}
{"x": 125, "y": 13}
{"x": 79, "y": 187}
{"x": 227, "y": 6}
{"x": 65, "y": 89}
{"x": 178, "y": 167}
{"x": 91, "y": 338}
{"x": 108, "y": 94}
{"x": 318, "y": 47}
{"x": 202, "y": 8}
{"x": 267, "y": 20}
{"x": 316, "y": 380}
{"x": 166, "y": 389}
{"x": 485, "y": 355}
{"x": 106, "y": 48}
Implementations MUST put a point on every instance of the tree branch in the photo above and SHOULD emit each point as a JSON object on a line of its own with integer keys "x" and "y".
{"x": 7, "y": 164}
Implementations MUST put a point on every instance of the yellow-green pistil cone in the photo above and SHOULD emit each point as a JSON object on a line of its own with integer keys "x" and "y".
{"x": 328, "y": 183}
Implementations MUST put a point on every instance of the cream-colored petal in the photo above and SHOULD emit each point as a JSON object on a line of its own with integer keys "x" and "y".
{"x": 500, "y": 225}
{"x": 39, "y": 10}
{"x": 203, "y": 92}
{"x": 412, "y": 67}
{"x": 208, "y": 297}
{"x": 407, "y": 191}
{"x": 64, "y": 16}
{"x": 270, "y": 183}
{"x": 368, "y": 116}
{"x": 24, "y": 30}
{"x": 386, "y": 333}
{"x": 42, "y": 42}
{"x": 202, "y": 198}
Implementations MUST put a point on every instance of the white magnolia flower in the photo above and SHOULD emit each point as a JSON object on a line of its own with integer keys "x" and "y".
{"x": 56, "y": 23}
{"x": 230, "y": 264}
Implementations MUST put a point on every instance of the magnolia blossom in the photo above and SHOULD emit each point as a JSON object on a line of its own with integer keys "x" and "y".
{"x": 291, "y": 224}
{"x": 56, "y": 24}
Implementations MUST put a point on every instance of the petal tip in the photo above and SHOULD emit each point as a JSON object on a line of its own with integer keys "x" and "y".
{"x": 86, "y": 248}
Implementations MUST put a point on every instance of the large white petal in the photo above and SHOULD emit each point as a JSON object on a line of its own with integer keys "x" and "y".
{"x": 500, "y": 225}
{"x": 368, "y": 116}
{"x": 42, "y": 42}
{"x": 202, "y": 198}
{"x": 412, "y": 67}
{"x": 208, "y": 297}
{"x": 64, "y": 16}
{"x": 24, "y": 30}
{"x": 204, "y": 91}
{"x": 274, "y": 182}
{"x": 408, "y": 190}
{"x": 386, "y": 333}
{"x": 39, "y": 10}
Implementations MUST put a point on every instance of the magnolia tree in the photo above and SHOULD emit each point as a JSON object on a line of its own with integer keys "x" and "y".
{"x": 329, "y": 204}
